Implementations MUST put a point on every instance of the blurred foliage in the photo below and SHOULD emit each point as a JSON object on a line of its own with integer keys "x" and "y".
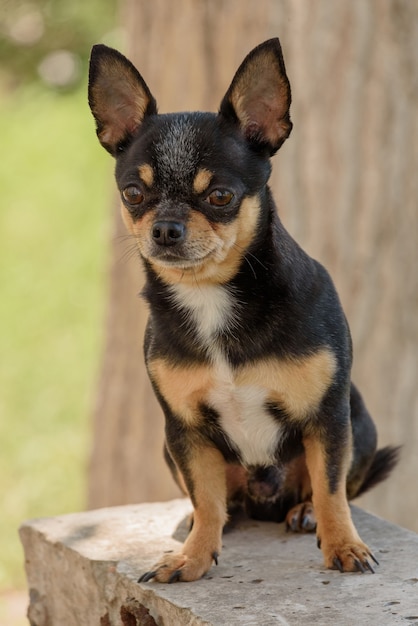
{"x": 33, "y": 29}
{"x": 56, "y": 193}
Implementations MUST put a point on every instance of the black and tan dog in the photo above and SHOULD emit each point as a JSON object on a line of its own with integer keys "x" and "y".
{"x": 247, "y": 346}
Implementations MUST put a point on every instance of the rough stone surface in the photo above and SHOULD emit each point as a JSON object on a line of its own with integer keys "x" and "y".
{"x": 82, "y": 570}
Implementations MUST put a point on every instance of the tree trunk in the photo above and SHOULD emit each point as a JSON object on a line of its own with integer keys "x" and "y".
{"x": 346, "y": 186}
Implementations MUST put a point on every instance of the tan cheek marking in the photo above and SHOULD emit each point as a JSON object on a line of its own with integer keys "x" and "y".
{"x": 139, "y": 228}
{"x": 202, "y": 239}
{"x": 127, "y": 219}
{"x": 146, "y": 174}
{"x": 235, "y": 237}
{"x": 298, "y": 384}
{"x": 202, "y": 180}
{"x": 200, "y": 231}
{"x": 247, "y": 222}
{"x": 183, "y": 388}
{"x": 228, "y": 242}
{"x": 238, "y": 236}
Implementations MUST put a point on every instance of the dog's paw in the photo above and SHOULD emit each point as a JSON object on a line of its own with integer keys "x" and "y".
{"x": 179, "y": 567}
{"x": 352, "y": 556}
{"x": 301, "y": 518}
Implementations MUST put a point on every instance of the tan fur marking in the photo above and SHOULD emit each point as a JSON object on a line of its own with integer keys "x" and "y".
{"x": 332, "y": 510}
{"x": 207, "y": 472}
{"x": 338, "y": 535}
{"x": 146, "y": 174}
{"x": 241, "y": 231}
{"x": 127, "y": 219}
{"x": 182, "y": 387}
{"x": 229, "y": 243}
{"x": 202, "y": 180}
{"x": 139, "y": 228}
{"x": 297, "y": 384}
{"x": 216, "y": 250}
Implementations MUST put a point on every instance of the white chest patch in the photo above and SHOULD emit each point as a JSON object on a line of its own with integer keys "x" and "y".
{"x": 244, "y": 418}
{"x": 210, "y": 307}
{"x": 241, "y": 407}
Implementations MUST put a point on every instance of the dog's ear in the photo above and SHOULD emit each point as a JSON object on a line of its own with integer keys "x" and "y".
{"x": 118, "y": 97}
{"x": 259, "y": 98}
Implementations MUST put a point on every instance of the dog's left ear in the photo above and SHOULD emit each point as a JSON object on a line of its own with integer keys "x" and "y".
{"x": 259, "y": 98}
{"x": 118, "y": 97}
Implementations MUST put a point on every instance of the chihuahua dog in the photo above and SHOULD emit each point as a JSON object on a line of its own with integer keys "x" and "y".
{"x": 247, "y": 346}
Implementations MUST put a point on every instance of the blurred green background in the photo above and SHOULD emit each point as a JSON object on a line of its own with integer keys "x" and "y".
{"x": 55, "y": 190}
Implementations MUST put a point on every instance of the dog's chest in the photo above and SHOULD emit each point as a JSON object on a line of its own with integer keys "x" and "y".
{"x": 244, "y": 416}
{"x": 209, "y": 309}
{"x": 240, "y": 403}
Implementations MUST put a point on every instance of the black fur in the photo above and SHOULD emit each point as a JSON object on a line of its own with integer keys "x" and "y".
{"x": 273, "y": 305}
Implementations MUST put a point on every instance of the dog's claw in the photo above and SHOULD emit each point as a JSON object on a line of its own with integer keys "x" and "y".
{"x": 215, "y": 557}
{"x": 374, "y": 559}
{"x": 175, "y": 577}
{"x": 318, "y": 543}
{"x": 359, "y": 565}
{"x": 147, "y": 576}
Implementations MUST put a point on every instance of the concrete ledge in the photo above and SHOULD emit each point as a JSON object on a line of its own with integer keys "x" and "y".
{"x": 82, "y": 571}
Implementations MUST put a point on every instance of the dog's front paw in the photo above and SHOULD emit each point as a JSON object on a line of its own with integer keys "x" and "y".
{"x": 179, "y": 567}
{"x": 352, "y": 556}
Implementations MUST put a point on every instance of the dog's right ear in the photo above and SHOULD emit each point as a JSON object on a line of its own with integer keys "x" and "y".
{"x": 118, "y": 97}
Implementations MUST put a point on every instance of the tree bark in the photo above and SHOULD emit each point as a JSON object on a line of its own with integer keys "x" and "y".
{"x": 346, "y": 187}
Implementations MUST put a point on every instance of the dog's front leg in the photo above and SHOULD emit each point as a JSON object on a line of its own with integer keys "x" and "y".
{"x": 205, "y": 477}
{"x": 327, "y": 462}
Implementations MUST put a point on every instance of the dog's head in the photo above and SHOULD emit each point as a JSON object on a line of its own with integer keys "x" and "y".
{"x": 192, "y": 184}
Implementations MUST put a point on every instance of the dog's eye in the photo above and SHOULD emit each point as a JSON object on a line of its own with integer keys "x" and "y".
{"x": 220, "y": 197}
{"x": 133, "y": 195}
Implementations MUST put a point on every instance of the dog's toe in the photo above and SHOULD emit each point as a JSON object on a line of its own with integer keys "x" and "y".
{"x": 350, "y": 557}
{"x": 179, "y": 567}
{"x": 301, "y": 518}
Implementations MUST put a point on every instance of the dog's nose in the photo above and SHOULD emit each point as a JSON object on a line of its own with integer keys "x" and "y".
{"x": 168, "y": 233}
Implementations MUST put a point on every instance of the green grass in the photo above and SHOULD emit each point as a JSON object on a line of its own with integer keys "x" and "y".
{"x": 55, "y": 189}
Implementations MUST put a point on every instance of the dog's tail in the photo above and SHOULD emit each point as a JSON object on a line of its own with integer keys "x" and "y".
{"x": 382, "y": 465}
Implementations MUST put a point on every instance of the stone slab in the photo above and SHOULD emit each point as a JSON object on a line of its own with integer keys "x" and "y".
{"x": 82, "y": 570}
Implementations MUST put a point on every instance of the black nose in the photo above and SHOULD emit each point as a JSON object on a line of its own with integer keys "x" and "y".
{"x": 168, "y": 233}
